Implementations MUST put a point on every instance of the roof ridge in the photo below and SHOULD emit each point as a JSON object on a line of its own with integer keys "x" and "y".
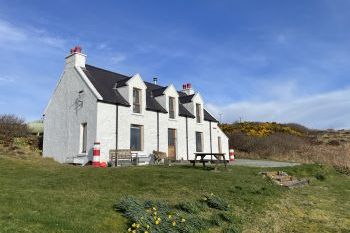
{"x": 126, "y": 76}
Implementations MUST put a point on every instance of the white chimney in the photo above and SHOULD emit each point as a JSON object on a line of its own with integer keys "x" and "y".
{"x": 187, "y": 88}
{"x": 76, "y": 58}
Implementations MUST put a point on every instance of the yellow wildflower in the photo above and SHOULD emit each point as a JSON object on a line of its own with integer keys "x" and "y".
{"x": 133, "y": 225}
{"x": 174, "y": 223}
{"x": 183, "y": 220}
{"x": 170, "y": 216}
{"x": 137, "y": 225}
{"x": 157, "y": 222}
{"x": 147, "y": 226}
{"x": 129, "y": 230}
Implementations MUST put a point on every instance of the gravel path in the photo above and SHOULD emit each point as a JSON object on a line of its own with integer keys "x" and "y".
{"x": 261, "y": 163}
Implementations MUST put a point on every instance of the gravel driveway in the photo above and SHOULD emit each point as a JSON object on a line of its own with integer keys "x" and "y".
{"x": 261, "y": 163}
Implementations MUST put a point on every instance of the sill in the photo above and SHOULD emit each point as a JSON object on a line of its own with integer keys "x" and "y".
{"x": 200, "y": 123}
{"x": 172, "y": 119}
{"x": 137, "y": 114}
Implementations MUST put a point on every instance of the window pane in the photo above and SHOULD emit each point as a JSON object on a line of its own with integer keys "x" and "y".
{"x": 172, "y": 107}
{"x": 198, "y": 113}
{"x": 135, "y": 138}
{"x": 199, "y": 141}
{"x": 136, "y": 100}
{"x": 83, "y": 137}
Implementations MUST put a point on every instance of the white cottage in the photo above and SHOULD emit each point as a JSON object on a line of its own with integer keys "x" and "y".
{"x": 91, "y": 104}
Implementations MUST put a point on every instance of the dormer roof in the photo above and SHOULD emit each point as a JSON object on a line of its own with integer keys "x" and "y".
{"x": 104, "y": 81}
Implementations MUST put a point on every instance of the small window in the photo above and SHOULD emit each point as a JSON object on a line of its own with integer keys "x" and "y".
{"x": 83, "y": 137}
{"x": 199, "y": 141}
{"x": 172, "y": 107}
{"x": 136, "y": 100}
{"x": 136, "y": 137}
{"x": 198, "y": 113}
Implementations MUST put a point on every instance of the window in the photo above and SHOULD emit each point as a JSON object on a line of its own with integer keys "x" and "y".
{"x": 136, "y": 100}
{"x": 199, "y": 141}
{"x": 198, "y": 113}
{"x": 219, "y": 144}
{"x": 136, "y": 137}
{"x": 172, "y": 107}
{"x": 83, "y": 137}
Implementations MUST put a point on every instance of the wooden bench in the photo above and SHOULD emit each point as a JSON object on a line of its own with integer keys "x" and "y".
{"x": 122, "y": 154}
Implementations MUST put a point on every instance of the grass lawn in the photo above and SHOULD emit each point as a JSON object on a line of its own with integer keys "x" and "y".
{"x": 39, "y": 195}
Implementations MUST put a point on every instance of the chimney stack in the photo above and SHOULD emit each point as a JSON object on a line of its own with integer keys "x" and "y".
{"x": 187, "y": 88}
{"x": 155, "y": 80}
{"x": 76, "y": 57}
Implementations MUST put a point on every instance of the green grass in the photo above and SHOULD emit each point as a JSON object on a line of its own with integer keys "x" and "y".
{"x": 39, "y": 195}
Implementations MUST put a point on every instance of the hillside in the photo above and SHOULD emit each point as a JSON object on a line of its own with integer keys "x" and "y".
{"x": 289, "y": 142}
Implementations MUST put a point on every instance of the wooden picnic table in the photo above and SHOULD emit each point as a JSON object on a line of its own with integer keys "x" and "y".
{"x": 202, "y": 155}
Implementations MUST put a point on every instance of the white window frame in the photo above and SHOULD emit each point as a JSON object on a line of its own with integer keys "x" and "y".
{"x": 141, "y": 136}
{"x": 198, "y": 113}
{"x": 83, "y": 138}
{"x": 173, "y": 110}
{"x": 202, "y": 140}
{"x": 134, "y": 103}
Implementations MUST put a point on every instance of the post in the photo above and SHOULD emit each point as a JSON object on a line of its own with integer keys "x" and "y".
{"x": 157, "y": 130}
{"x": 187, "y": 138}
{"x": 211, "y": 143}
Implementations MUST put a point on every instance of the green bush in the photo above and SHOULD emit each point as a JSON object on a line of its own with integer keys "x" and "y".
{"x": 216, "y": 202}
{"x": 189, "y": 207}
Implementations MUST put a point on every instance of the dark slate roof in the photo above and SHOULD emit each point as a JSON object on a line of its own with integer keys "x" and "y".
{"x": 159, "y": 91}
{"x": 184, "y": 112}
{"x": 185, "y": 98}
{"x": 209, "y": 117}
{"x": 104, "y": 81}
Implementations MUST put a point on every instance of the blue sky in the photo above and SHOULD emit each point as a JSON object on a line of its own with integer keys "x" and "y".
{"x": 285, "y": 61}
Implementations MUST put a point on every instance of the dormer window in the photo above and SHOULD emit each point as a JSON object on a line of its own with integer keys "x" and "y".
{"x": 136, "y": 93}
{"x": 198, "y": 113}
{"x": 171, "y": 107}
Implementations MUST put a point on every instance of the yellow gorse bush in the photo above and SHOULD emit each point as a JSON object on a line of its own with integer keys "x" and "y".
{"x": 258, "y": 129}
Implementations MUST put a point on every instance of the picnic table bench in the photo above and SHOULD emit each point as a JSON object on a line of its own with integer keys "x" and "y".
{"x": 220, "y": 157}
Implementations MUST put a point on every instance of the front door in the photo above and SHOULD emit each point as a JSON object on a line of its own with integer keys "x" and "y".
{"x": 172, "y": 144}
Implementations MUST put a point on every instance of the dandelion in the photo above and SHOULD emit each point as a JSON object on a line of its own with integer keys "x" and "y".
{"x": 157, "y": 222}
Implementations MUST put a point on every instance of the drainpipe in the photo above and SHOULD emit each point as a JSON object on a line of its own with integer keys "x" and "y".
{"x": 187, "y": 137}
{"x": 211, "y": 143}
{"x": 116, "y": 127}
{"x": 157, "y": 130}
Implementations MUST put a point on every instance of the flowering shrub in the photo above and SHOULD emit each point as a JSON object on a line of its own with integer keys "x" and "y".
{"x": 261, "y": 129}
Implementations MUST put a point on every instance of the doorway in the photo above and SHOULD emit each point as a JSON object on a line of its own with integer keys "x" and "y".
{"x": 172, "y": 144}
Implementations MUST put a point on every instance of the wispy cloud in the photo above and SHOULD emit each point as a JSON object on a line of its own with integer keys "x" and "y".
{"x": 327, "y": 110}
{"x": 14, "y": 37}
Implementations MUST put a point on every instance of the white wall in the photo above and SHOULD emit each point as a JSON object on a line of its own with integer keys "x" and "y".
{"x": 63, "y": 117}
{"x": 106, "y": 119}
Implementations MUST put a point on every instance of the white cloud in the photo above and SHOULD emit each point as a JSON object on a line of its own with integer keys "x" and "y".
{"x": 327, "y": 110}
{"x": 13, "y": 37}
{"x": 116, "y": 59}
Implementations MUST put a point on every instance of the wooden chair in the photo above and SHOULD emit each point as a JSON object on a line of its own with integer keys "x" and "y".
{"x": 122, "y": 154}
